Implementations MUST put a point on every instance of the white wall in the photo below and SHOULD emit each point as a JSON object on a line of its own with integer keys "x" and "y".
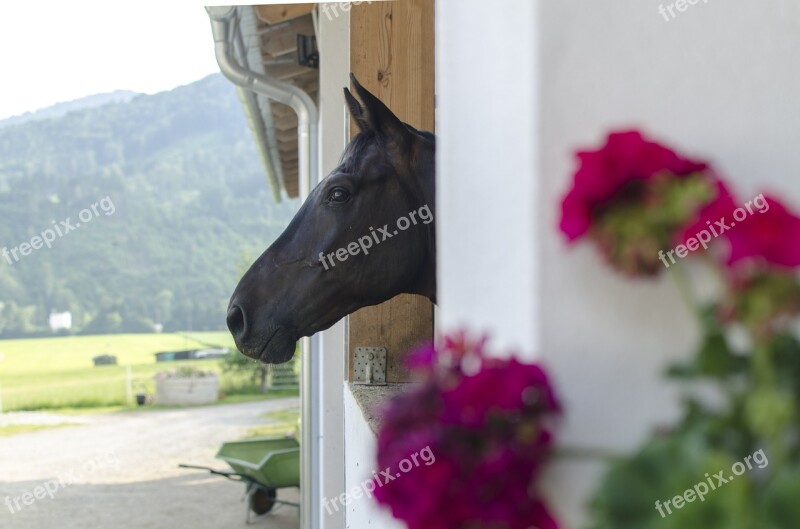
{"x": 719, "y": 81}
{"x": 487, "y": 159}
{"x": 360, "y": 453}
{"x": 334, "y": 45}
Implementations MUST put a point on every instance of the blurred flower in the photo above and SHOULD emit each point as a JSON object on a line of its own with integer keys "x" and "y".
{"x": 720, "y": 207}
{"x": 773, "y": 236}
{"x": 488, "y": 423}
{"x": 769, "y": 235}
{"x": 763, "y": 249}
{"x": 421, "y": 358}
{"x": 512, "y": 386}
{"x": 626, "y": 159}
{"x": 632, "y": 197}
{"x": 763, "y": 299}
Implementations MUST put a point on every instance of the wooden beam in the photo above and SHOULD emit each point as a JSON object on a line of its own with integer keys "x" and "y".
{"x": 392, "y": 54}
{"x": 283, "y": 41}
{"x": 276, "y": 13}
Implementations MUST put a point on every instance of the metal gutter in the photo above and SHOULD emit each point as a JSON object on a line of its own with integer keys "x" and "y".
{"x": 259, "y": 115}
{"x": 222, "y": 25}
{"x": 222, "y": 19}
{"x": 261, "y": 135}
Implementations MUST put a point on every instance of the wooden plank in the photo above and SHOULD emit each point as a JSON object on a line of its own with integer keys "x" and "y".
{"x": 285, "y": 123}
{"x": 276, "y": 13}
{"x": 287, "y": 136}
{"x": 288, "y": 148}
{"x": 280, "y": 111}
{"x": 283, "y": 41}
{"x": 287, "y": 72}
{"x": 392, "y": 54}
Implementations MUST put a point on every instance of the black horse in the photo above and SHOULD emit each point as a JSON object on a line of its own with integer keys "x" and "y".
{"x": 365, "y": 234}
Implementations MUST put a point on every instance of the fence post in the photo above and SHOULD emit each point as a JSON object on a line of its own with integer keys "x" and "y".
{"x": 129, "y": 385}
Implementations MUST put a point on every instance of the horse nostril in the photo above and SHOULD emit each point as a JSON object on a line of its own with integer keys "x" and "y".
{"x": 236, "y": 321}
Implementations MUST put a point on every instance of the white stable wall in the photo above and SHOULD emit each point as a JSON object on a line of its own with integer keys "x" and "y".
{"x": 334, "y": 45}
{"x": 546, "y": 78}
{"x": 360, "y": 454}
{"x": 487, "y": 106}
{"x": 719, "y": 81}
{"x": 348, "y": 444}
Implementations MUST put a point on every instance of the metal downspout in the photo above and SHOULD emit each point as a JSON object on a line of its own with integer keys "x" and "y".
{"x": 307, "y": 138}
{"x": 260, "y": 111}
{"x": 288, "y": 94}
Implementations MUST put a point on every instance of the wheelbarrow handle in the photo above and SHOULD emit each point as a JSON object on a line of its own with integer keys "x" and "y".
{"x": 233, "y": 476}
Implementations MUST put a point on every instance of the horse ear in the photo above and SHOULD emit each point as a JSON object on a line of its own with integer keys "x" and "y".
{"x": 376, "y": 116}
{"x": 356, "y": 110}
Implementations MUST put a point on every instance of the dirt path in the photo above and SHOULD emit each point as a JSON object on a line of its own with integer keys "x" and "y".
{"x": 121, "y": 471}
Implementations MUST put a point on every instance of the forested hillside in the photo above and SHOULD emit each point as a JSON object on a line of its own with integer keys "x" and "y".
{"x": 189, "y": 202}
{"x": 61, "y": 109}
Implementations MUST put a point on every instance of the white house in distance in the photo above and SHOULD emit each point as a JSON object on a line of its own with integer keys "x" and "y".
{"x": 519, "y": 85}
{"x": 60, "y": 321}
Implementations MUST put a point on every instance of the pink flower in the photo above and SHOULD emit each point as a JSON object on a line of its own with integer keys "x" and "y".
{"x": 512, "y": 386}
{"x": 626, "y": 158}
{"x": 721, "y": 206}
{"x": 421, "y": 358}
{"x": 487, "y": 421}
{"x": 772, "y": 236}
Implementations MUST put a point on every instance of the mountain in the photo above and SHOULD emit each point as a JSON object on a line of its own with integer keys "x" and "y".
{"x": 132, "y": 213}
{"x": 61, "y": 109}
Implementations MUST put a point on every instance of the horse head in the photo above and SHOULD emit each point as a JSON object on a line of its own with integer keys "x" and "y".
{"x": 364, "y": 235}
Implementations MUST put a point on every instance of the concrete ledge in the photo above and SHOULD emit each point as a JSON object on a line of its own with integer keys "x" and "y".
{"x": 369, "y": 397}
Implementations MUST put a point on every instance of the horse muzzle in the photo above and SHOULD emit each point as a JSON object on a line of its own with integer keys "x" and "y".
{"x": 271, "y": 343}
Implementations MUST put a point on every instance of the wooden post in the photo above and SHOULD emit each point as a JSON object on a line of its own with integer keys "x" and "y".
{"x": 129, "y": 386}
{"x": 392, "y": 54}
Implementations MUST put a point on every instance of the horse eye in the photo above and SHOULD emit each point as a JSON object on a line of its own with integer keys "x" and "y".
{"x": 339, "y": 195}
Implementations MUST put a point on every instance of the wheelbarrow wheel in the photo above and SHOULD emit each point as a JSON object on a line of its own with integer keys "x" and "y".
{"x": 262, "y": 500}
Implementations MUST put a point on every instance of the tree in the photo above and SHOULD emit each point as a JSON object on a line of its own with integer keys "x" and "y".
{"x": 235, "y": 362}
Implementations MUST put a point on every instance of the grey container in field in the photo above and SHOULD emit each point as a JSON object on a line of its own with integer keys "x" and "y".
{"x": 104, "y": 360}
{"x": 187, "y": 391}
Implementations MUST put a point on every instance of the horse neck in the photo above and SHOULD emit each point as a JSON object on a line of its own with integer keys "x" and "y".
{"x": 426, "y": 285}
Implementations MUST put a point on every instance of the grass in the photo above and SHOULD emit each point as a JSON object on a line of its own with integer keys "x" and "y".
{"x": 14, "y": 429}
{"x": 227, "y": 399}
{"x": 76, "y": 352}
{"x": 78, "y": 412}
{"x": 57, "y": 373}
{"x": 279, "y": 423}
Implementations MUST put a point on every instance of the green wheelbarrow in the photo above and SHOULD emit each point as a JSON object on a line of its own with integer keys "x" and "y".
{"x": 264, "y": 465}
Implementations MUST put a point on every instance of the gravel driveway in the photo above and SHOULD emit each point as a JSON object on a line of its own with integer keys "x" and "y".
{"x": 121, "y": 470}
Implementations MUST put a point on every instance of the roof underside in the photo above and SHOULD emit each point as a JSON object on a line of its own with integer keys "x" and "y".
{"x": 269, "y": 37}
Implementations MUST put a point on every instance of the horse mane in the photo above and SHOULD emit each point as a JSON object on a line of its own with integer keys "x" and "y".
{"x": 355, "y": 150}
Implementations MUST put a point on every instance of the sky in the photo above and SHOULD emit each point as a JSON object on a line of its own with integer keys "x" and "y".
{"x": 59, "y": 51}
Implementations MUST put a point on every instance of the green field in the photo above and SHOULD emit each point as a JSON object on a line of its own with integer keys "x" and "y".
{"x": 14, "y": 429}
{"x": 53, "y": 373}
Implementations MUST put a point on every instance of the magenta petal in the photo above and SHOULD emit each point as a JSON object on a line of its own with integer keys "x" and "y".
{"x": 772, "y": 236}
{"x": 626, "y": 157}
{"x": 542, "y": 517}
{"x": 488, "y": 428}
